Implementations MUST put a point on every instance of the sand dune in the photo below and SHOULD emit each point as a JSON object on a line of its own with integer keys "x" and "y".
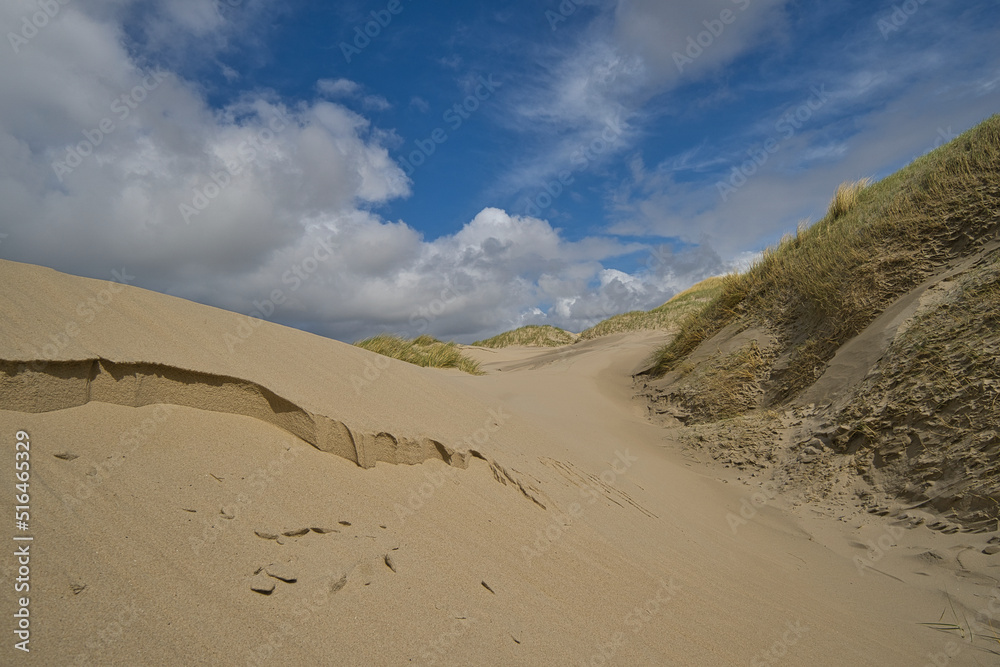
{"x": 196, "y": 502}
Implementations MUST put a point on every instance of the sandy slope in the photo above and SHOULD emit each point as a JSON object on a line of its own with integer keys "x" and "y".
{"x": 166, "y": 464}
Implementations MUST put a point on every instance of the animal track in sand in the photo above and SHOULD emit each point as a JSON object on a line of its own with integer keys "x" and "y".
{"x": 300, "y": 554}
{"x": 590, "y": 484}
{"x": 281, "y": 571}
{"x": 265, "y": 577}
{"x": 261, "y": 583}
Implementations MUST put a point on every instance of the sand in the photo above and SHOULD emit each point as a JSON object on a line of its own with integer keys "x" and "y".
{"x": 289, "y": 499}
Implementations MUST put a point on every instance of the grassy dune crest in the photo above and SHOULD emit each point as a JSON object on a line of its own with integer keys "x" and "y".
{"x": 822, "y": 285}
{"x": 532, "y": 335}
{"x": 422, "y": 351}
{"x": 666, "y": 316}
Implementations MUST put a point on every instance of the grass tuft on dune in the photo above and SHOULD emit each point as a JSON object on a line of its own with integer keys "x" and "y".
{"x": 846, "y": 198}
{"x": 422, "y": 351}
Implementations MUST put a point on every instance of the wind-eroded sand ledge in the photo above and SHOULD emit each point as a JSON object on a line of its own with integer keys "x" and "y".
{"x": 44, "y": 386}
{"x": 61, "y": 385}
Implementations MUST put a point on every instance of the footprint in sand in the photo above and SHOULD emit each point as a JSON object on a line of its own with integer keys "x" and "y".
{"x": 265, "y": 534}
{"x": 338, "y": 584}
{"x": 282, "y": 572}
{"x": 261, "y": 583}
{"x": 265, "y": 578}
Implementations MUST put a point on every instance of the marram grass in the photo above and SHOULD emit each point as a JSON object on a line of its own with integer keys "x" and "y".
{"x": 422, "y": 351}
{"x": 533, "y": 335}
{"x": 665, "y": 317}
{"x": 822, "y": 285}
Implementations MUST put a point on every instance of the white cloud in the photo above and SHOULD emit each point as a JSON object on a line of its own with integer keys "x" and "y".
{"x": 103, "y": 155}
{"x": 312, "y": 176}
{"x": 184, "y": 32}
{"x": 338, "y": 87}
{"x": 376, "y": 103}
{"x": 198, "y": 17}
{"x": 230, "y": 73}
{"x": 489, "y": 275}
{"x": 347, "y": 89}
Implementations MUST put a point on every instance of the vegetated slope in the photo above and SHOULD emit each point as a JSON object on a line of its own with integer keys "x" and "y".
{"x": 924, "y": 424}
{"x": 532, "y": 335}
{"x": 667, "y": 316}
{"x": 421, "y": 351}
{"x": 884, "y": 315}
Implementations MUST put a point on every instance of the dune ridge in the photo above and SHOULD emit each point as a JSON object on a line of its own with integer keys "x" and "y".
{"x": 67, "y": 384}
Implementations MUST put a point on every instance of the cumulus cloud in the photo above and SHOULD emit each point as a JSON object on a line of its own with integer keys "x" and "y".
{"x": 491, "y": 274}
{"x": 109, "y": 155}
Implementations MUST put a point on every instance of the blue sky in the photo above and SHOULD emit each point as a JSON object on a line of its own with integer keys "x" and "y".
{"x": 465, "y": 167}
